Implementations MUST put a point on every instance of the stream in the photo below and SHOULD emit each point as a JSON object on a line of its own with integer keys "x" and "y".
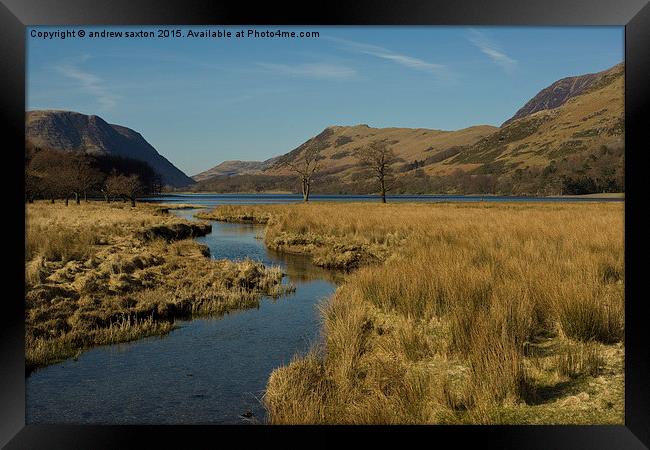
{"x": 206, "y": 371}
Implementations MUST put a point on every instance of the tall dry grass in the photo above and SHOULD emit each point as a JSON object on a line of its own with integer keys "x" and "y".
{"x": 438, "y": 333}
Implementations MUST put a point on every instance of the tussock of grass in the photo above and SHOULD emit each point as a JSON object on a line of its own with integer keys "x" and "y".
{"x": 591, "y": 312}
{"x": 478, "y": 314}
{"x": 234, "y": 213}
{"x": 580, "y": 359}
{"x": 100, "y": 274}
{"x": 301, "y": 389}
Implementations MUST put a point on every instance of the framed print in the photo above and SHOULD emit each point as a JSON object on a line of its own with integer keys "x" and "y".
{"x": 381, "y": 219}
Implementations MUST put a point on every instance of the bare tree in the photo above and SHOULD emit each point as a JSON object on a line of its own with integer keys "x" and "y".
{"x": 109, "y": 186}
{"x": 305, "y": 166}
{"x": 83, "y": 177}
{"x": 379, "y": 157}
{"x": 126, "y": 186}
{"x": 133, "y": 187}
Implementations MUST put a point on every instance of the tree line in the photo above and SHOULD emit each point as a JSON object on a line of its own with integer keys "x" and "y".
{"x": 64, "y": 175}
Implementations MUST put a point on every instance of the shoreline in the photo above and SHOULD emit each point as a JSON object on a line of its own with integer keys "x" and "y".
{"x": 604, "y": 195}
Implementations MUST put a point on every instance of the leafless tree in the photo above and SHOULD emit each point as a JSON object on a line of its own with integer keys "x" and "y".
{"x": 109, "y": 186}
{"x": 378, "y": 157}
{"x": 83, "y": 177}
{"x": 126, "y": 186}
{"x": 305, "y": 165}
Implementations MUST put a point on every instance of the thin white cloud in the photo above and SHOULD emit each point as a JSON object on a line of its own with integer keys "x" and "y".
{"x": 311, "y": 70}
{"x": 384, "y": 53}
{"x": 492, "y": 50}
{"x": 89, "y": 83}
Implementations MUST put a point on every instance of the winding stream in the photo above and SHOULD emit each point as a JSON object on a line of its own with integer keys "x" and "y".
{"x": 207, "y": 371}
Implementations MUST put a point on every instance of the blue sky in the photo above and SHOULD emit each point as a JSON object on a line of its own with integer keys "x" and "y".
{"x": 200, "y": 101}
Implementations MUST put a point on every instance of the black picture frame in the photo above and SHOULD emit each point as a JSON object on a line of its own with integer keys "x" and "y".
{"x": 15, "y": 15}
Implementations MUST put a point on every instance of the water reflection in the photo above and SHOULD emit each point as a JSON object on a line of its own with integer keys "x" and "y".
{"x": 299, "y": 268}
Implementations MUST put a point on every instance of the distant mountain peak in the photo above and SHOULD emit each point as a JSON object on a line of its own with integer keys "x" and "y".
{"x": 73, "y": 131}
{"x": 231, "y": 167}
{"x": 566, "y": 88}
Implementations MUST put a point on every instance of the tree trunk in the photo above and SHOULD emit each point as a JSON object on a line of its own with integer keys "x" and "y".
{"x": 77, "y": 198}
{"x": 133, "y": 201}
{"x": 52, "y": 199}
{"x": 85, "y": 197}
{"x": 305, "y": 190}
{"x": 383, "y": 191}
{"x": 66, "y": 200}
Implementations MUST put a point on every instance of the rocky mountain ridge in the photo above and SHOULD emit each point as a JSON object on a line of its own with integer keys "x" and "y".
{"x": 73, "y": 131}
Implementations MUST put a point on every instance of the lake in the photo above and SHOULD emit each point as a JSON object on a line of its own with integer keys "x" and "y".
{"x": 208, "y": 200}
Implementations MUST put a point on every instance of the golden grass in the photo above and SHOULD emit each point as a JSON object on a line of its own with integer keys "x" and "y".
{"x": 337, "y": 243}
{"x": 104, "y": 273}
{"x": 480, "y": 313}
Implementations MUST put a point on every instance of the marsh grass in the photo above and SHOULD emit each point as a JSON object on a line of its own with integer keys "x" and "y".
{"x": 100, "y": 274}
{"x": 577, "y": 359}
{"x": 591, "y": 312}
{"x": 59, "y": 244}
{"x": 463, "y": 316}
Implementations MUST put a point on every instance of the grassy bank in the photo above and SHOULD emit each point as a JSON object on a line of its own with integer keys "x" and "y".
{"x": 100, "y": 273}
{"x": 334, "y": 241}
{"x": 475, "y": 313}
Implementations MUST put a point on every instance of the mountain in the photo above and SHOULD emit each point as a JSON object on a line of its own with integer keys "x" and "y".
{"x": 583, "y": 122}
{"x": 562, "y": 90}
{"x": 72, "y": 131}
{"x": 233, "y": 168}
{"x": 567, "y": 138}
{"x": 339, "y": 143}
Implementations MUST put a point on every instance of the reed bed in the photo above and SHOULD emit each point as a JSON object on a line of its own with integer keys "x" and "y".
{"x": 466, "y": 313}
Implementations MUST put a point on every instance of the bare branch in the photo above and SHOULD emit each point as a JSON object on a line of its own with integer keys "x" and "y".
{"x": 306, "y": 164}
{"x": 379, "y": 158}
